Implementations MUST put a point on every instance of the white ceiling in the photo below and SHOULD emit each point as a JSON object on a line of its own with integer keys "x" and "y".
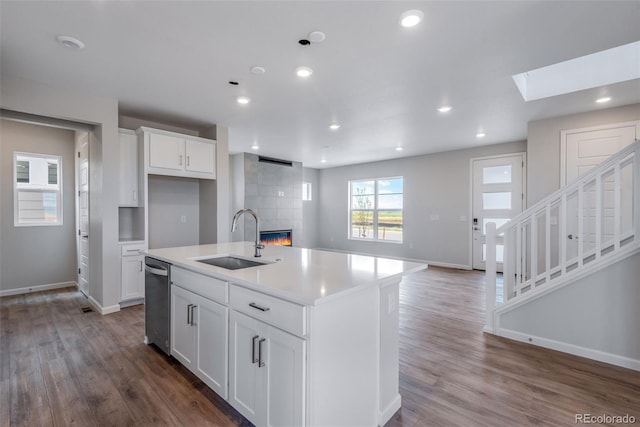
{"x": 171, "y": 61}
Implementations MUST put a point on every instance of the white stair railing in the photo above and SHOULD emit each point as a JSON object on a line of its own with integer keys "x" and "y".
{"x": 585, "y": 223}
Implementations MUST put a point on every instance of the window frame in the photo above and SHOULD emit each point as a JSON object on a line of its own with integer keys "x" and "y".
{"x": 307, "y": 191}
{"x": 375, "y": 210}
{"x": 34, "y": 188}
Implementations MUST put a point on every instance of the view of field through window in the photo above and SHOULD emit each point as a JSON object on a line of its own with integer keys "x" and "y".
{"x": 376, "y": 209}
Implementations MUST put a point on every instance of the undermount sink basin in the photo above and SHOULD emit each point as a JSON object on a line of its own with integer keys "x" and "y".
{"x": 232, "y": 262}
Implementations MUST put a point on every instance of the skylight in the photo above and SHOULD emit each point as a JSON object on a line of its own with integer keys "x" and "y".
{"x": 607, "y": 67}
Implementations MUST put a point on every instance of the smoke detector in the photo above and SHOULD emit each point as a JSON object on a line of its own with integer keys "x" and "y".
{"x": 70, "y": 42}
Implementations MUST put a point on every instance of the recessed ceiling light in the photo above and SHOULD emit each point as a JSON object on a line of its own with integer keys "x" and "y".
{"x": 304, "y": 71}
{"x": 411, "y": 18}
{"x": 243, "y": 100}
{"x": 445, "y": 108}
{"x": 603, "y": 100}
{"x": 70, "y": 42}
{"x": 257, "y": 70}
{"x": 323, "y": 161}
{"x": 334, "y": 126}
{"x": 399, "y": 148}
{"x": 480, "y": 135}
{"x": 255, "y": 146}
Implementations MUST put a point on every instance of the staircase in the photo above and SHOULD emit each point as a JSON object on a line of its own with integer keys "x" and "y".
{"x": 564, "y": 240}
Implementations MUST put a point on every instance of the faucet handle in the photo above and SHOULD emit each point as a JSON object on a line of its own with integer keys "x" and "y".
{"x": 259, "y": 246}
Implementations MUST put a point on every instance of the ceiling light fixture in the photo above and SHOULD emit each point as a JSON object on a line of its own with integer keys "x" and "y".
{"x": 399, "y": 148}
{"x": 323, "y": 161}
{"x": 603, "y": 100}
{"x": 411, "y": 18}
{"x": 244, "y": 100}
{"x": 316, "y": 37}
{"x": 257, "y": 70}
{"x": 445, "y": 109}
{"x": 334, "y": 126}
{"x": 480, "y": 135}
{"x": 70, "y": 42}
{"x": 304, "y": 71}
{"x": 255, "y": 146}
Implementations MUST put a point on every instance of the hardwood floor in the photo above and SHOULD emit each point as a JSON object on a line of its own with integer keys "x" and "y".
{"x": 59, "y": 366}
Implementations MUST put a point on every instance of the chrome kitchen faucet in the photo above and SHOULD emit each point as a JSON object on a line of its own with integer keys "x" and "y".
{"x": 234, "y": 225}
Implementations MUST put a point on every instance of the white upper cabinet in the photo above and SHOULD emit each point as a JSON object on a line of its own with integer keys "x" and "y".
{"x": 169, "y": 153}
{"x": 129, "y": 189}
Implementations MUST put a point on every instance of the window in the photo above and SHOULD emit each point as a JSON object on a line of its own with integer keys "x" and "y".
{"x": 306, "y": 191}
{"x": 37, "y": 190}
{"x": 375, "y": 209}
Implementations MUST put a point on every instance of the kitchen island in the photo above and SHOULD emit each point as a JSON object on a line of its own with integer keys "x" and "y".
{"x": 306, "y": 338}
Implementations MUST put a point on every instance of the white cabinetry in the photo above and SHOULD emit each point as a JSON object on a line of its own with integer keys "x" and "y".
{"x": 170, "y": 153}
{"x": 199, "y": 328}
{"x": 267, "y": 365}
{"x": 129, "y": 180}
{"x": 267, "y": 373}
{"x": 132, "y": 272}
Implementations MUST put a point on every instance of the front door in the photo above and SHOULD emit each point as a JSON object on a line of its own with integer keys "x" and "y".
{"x": 497, "y": 196}
{"x": 82, "y": 203}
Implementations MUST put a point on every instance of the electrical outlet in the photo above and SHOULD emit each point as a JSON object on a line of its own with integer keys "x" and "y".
{"x": 183, "y": 219}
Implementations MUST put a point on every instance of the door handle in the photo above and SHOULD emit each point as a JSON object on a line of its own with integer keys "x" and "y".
{"x": 571, "y": 237}
{"x": 260, "y": 362}
{"x": 253, "y": 349}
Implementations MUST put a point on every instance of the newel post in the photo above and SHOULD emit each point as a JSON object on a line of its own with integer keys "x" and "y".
{"x": 490, "y": 266}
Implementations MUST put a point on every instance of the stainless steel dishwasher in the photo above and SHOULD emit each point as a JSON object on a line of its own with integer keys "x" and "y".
{"x": 157, "y": 303}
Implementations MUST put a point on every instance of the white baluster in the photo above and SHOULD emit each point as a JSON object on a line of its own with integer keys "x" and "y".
{"x": 490, "y": 265}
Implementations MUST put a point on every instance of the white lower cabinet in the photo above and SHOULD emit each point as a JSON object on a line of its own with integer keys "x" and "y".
{"x": 267, "y": 373}
{"x": 132, "y": 273}
{"x": 199, "y": 333}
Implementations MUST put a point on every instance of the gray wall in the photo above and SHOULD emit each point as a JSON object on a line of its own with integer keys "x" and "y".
{"x": 599, "y": 312}
{"x": 433, "y": 184}
{"x": 32, "y": 97}
{"x": 170, "y": 198}
{"x": 310, "y": 210}
{"x": 51, "y": 248}
{"x": 543, "y": 145}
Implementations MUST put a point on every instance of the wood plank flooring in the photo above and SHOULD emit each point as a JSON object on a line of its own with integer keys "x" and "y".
{"x": 61, "y": 367}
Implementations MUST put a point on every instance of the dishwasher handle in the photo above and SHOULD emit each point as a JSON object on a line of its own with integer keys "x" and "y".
{"x": 156, "y": 271}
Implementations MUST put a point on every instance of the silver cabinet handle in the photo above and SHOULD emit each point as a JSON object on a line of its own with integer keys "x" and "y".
{"x": 253, "y": 349}
{"x": 258, "y": 307}
{"x": 193, "y": 307}
{"x": 135, "y": 196}
{"x": 180, "y": 163}
{"x": 260, "y": 362}
{"x": 140, "y": 266}
{"x": 189, "y": 314}
{"x": 188, "y": 162}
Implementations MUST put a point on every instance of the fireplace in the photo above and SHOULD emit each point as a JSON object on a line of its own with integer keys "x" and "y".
{"x": 276, "y": 237}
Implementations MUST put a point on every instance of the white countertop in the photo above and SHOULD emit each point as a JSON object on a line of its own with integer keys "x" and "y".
{"x": 304, "y": 276}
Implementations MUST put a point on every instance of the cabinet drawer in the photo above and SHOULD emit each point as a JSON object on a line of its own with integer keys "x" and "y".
{"x": 280, "y": 313}
{"x": 208, "y": 287}
{"x": 132, "y": 249}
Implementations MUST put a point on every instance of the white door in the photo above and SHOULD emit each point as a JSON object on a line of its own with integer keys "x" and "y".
{"x": 498, "y": 195}
{"x": 183, "y": 329}
{"x": 212, "y": 344}
{"x": 245, "y": 380}
{"x": 285, "y": 367}
{"x": 200, "y": 156}
{"x": 166, "y": 152}
{"x": 82, "y": 203}
{"x": 582, "y": 150}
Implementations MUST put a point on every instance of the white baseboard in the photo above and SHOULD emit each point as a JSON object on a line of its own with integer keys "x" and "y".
{"x": 104, "y": 310}
{"x": 37, "y": 288}
{"x": 589, "y": 353}
{"x": 388, "y": 412}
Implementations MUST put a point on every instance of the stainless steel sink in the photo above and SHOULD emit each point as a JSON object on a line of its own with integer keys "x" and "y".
{"x": 231, "y": 262}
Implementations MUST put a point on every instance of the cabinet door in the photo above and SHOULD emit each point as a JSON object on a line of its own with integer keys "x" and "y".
{"x": 183, "y": 333}
{"x": 166, "y": 152}
{"x": 245, "y": 379}
{"x": 285, "y": 384}
{"x": 132, "y": 279}
{"x": 201, "y": 156}
{"x": 128, "y": 169}
{"x": 211, "y": 342}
